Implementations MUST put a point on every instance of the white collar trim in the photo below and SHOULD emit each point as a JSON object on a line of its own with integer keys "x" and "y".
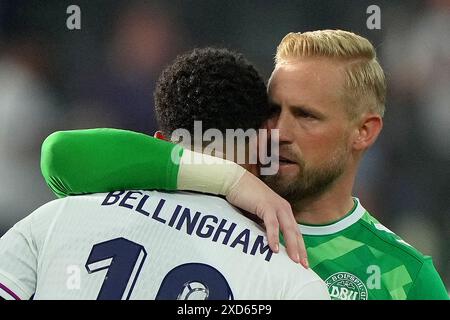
{"x": 337, "y": 226}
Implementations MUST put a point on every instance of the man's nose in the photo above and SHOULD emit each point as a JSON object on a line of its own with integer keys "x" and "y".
{"x": 284, "y": 123}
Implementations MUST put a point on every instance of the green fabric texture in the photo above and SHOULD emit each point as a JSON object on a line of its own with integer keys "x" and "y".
{"x": 102, "y": 160}
{"x": 368, "y": 262}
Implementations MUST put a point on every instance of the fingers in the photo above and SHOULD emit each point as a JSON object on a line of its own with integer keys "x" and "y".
{"x": 273, "y": 231}
{"x": 291, "y": 241}
{"x": 254, "y": 196}
{"x": 295, "y": 245}
{"x": 302, "y": 251}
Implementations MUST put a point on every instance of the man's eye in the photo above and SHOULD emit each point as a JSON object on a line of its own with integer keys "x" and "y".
{"x": 304, "y": 114}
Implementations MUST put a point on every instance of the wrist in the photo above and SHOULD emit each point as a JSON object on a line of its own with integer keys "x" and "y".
{"x": 205, "y": 173}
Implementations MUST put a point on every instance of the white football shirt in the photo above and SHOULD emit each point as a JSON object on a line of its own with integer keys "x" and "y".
{"x": 146, "y": 245}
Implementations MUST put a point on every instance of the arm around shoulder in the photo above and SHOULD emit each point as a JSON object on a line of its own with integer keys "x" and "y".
{"x": 103, "y": 160}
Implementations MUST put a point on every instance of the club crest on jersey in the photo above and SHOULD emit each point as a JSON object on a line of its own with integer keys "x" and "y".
{"x": 346, "y": 286}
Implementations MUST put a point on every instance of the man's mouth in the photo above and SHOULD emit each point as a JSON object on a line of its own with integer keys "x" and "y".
{"x": 285, "y": 161}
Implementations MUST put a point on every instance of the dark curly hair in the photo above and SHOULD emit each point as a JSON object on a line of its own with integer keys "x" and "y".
{"x": 217, "y": 86}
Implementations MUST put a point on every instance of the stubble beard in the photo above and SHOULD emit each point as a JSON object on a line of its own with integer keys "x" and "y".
{"x": 310, "y": 181}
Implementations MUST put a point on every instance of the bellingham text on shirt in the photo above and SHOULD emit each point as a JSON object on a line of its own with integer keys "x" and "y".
{"x": 207, "y": 226}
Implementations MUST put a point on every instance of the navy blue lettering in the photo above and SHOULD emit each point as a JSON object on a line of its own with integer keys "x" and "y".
{"x": 263, "y": 247}
{"x": 209, "y": 228}
{"x": 140, "y": 206}
{"x": 204, "y": 226}
{"x": 228, "y": 232}
{"x": 242, "y": 238}
{"x": 158, "y": 210}
{"x": 190, "y": 222}
{"x": 126, "y": 197}
{"x": 115, "y": 195}
{"x": 174, "y": 216}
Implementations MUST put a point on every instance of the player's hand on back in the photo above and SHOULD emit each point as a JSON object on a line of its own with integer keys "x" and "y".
{"x": 252, "y": 195}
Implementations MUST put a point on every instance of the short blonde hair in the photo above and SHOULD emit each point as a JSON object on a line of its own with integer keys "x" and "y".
{"x": 364, "y": 77}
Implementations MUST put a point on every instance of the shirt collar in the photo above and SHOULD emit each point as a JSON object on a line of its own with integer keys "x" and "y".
{"x": 353, "y": 216}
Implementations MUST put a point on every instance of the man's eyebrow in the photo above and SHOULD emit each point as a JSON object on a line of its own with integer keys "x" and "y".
{"x": 306, "y": 109}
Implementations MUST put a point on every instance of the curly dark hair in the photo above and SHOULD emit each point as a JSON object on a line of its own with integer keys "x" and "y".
{"x": 217, "y": 86}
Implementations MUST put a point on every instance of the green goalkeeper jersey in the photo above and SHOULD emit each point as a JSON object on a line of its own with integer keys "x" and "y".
{"x": 357, "y": 257}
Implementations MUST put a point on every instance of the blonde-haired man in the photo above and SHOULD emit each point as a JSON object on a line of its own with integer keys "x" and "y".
{"x": 328, "y": 94}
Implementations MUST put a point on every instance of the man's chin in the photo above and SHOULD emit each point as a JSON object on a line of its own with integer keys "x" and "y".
{"x": 288, "y": 169}
{"x": 281, "y": 182}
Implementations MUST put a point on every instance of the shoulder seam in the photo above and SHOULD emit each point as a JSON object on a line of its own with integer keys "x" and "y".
{"x": 415, "y": 280}
{"x": 421, "y": 262}
{"x": 397, "y": 245}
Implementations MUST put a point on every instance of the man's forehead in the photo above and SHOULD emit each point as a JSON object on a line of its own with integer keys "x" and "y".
{"x": 306, "y": 78}
{"x": 316, "y": 69}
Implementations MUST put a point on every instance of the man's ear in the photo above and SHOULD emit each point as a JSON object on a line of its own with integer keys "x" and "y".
{"x": 369, "y": 128}
{"x": 159, "y": 135}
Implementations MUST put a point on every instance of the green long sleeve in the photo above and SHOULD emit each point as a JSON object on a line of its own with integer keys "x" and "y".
{"x": 98, "y": 160}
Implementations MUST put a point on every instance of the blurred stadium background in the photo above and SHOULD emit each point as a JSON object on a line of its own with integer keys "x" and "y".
{"x": 103, "y": 75}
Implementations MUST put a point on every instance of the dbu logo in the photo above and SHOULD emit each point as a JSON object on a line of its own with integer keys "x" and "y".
{"x": 346, "y": 286}
{"x": 338, "y": 293}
